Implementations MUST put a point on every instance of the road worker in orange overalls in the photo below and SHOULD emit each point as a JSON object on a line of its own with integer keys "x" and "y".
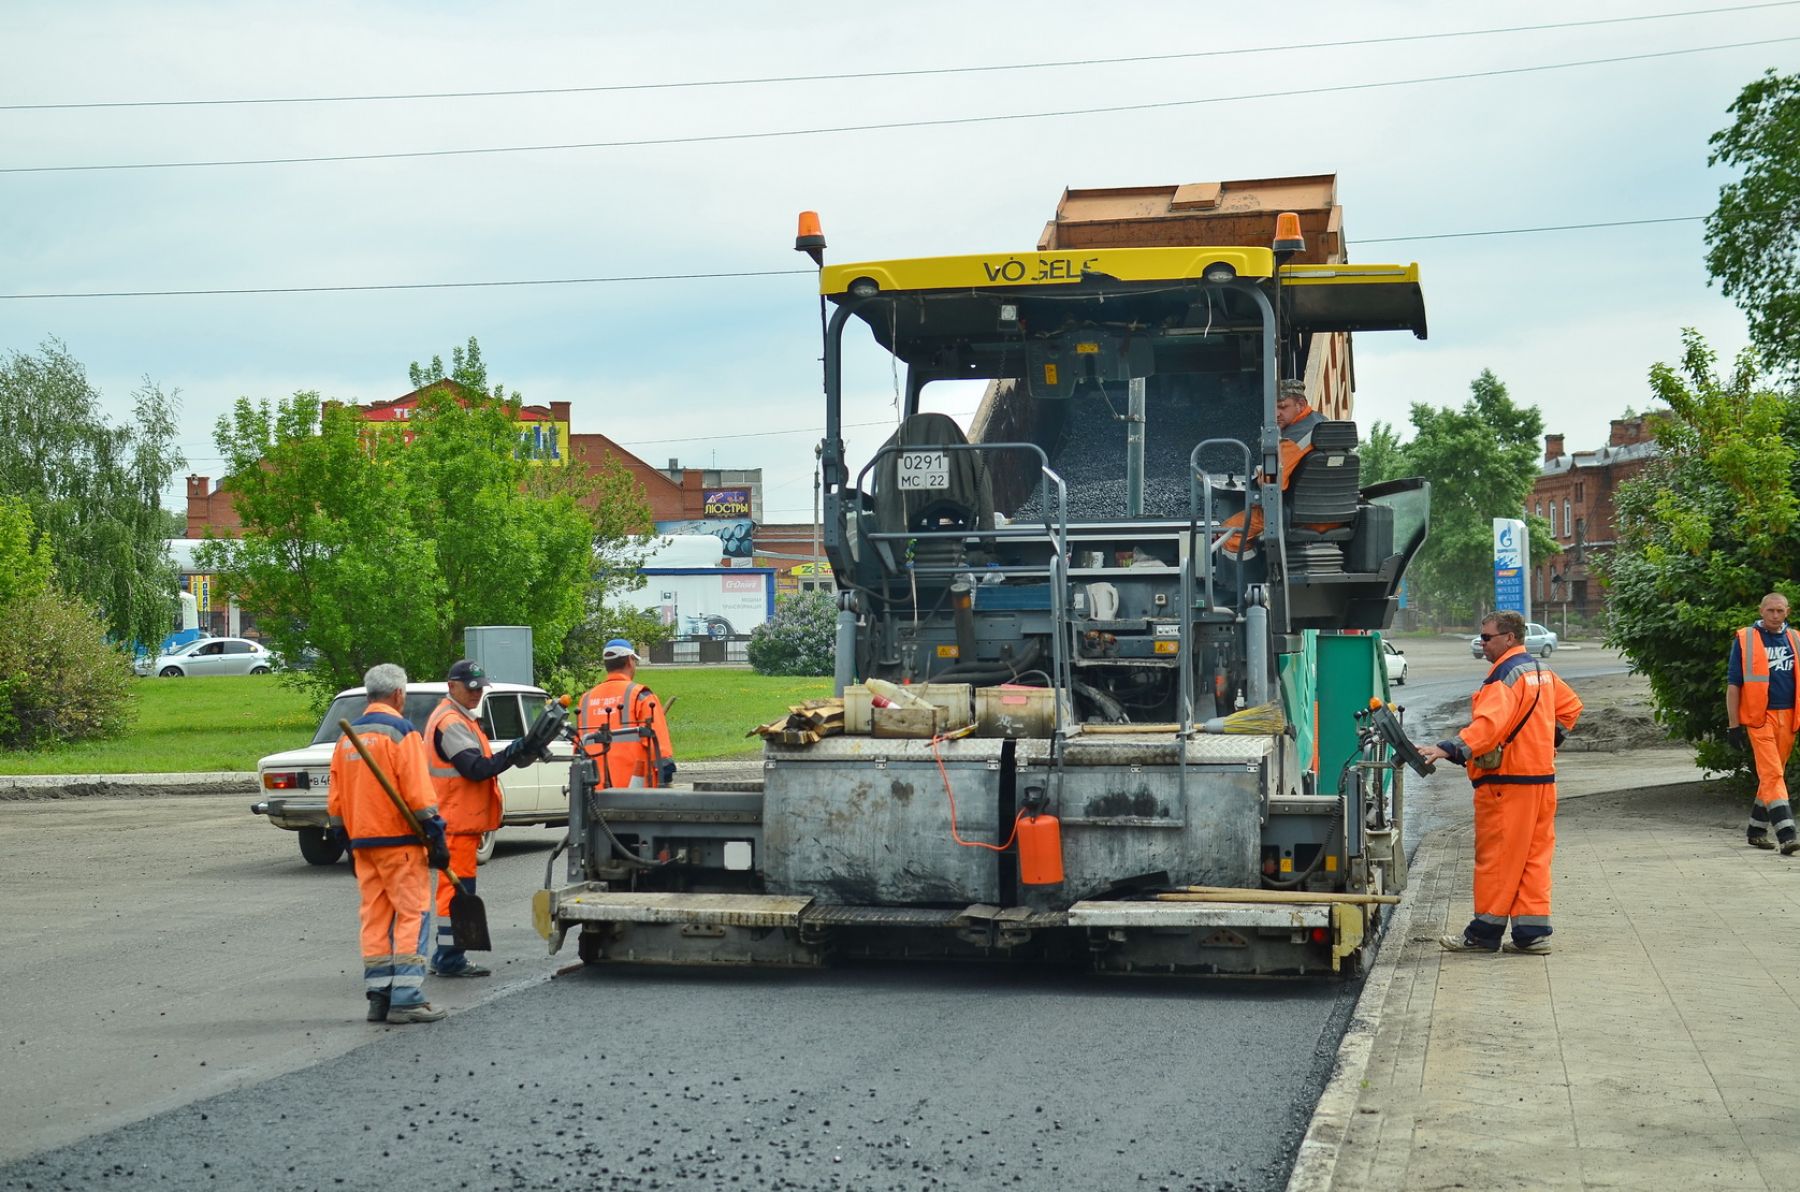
{"x": 1296, "y": 417}
{"x": 1760, "y": 716}
{"x": 1521, "y": 714}
{"x": 391, "y": 865}
{"x": 465, "y": 774}
{"x": 626, "y": 717}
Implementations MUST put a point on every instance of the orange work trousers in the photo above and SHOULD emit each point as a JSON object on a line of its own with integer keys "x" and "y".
{"x": 1770, "y": 744}
{"x": 396, "y": 899}
{"x": 462, "y": 864}
{"x": 1515, "y": 839}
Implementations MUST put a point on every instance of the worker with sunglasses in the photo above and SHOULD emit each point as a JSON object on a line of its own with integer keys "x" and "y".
{"x": 1521, "y": 714}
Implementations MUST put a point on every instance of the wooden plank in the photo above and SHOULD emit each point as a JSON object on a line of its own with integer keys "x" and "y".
{"x": 1229, "y": 894}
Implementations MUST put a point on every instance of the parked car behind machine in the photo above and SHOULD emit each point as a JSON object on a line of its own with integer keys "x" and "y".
{"x": 1538, "y": 640}
{"x": 294, "y": 783}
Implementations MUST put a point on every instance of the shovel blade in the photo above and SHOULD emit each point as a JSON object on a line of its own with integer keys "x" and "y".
{"x": 468, "y": 923}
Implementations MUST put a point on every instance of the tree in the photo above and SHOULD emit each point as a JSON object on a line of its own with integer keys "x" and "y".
{"x": 371, "y": 549}
{"x": 60, "y": 680}
{"x": 93, "y": 489}
{"x": 1753, "y": 236}
{"x": 1383, "y": 455}
{"x": 1481, "y": 461}
{"x": 801, "y": 639}
{"x": 466, "y": 369}
{"x": 24, "y": 567}
{"x": 1705, "y": 532}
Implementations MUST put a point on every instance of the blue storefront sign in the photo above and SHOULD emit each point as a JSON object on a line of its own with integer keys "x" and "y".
{"x": 1511, "y": 563}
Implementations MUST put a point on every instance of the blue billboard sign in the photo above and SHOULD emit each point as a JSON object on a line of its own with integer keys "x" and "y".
{"x": 1511, "y": 563}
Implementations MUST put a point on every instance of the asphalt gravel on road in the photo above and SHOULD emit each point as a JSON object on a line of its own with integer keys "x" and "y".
{"x": 861, "y": 1078}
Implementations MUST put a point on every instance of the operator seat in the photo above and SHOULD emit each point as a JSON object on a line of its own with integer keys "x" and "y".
{"x": 1321, "y": 499}
{"x": 967, "y": 503}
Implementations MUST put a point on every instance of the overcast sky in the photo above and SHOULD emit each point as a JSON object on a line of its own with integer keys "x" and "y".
{"x": 704, "y": 370}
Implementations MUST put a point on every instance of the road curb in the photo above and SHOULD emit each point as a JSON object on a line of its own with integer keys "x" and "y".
{"x": 1315, "y": 1164}
{"x": 17, "y": 787}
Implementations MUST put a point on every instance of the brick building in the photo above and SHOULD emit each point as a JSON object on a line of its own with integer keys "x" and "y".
{"x": 675, "y": 494}
{"x": 1574, "y": 493}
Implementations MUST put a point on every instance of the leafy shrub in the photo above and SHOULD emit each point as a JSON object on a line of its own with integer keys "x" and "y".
{"x": 800, "y": 638}
{"x": 60, "y": 681}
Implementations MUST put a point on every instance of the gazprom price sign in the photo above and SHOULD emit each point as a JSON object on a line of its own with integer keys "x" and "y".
{"x": 1511, "y": 563}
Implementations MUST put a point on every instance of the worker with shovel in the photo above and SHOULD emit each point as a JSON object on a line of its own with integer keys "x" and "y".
{"x": 464, "y": 772}
{"x": 393, "y": 856}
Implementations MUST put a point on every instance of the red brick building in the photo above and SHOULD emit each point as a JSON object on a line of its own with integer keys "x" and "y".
{"x": 674, "y": 493}
{"x": 1574, "y": 493}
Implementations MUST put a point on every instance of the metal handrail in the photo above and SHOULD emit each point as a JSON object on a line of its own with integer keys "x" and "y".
{"x": 1056, "y": 533}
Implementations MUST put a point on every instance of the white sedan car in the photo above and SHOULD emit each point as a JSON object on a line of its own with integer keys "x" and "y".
{"x": 294, "y": 783}
{"x": 209, "y": 656}
{"x": 1394, "y": 658}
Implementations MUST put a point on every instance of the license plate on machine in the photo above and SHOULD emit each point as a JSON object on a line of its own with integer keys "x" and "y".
{"x": 924, "y": 470}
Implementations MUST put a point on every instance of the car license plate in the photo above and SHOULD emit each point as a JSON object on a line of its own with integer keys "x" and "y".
{"x": 924, "y": 470}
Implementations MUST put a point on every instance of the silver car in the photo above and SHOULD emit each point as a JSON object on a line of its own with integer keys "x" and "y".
{"x": 210, "y": 656}
{"x": 1538, "y": 640}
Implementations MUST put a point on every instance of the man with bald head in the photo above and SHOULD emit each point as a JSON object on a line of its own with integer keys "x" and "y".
{"x": 1760, "y": 717}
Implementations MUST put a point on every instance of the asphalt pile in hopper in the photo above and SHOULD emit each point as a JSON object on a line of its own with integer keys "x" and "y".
{"x": 1090, "y": 455}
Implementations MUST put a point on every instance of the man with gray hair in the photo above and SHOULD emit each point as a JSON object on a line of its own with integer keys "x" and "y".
{"x": 393, "y": 870}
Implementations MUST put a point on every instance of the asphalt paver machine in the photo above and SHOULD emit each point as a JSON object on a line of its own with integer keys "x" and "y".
{"x": 1080, "y": 721}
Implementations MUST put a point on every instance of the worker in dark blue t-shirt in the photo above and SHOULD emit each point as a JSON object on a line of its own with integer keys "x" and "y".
{"x": 1760, "y": 717}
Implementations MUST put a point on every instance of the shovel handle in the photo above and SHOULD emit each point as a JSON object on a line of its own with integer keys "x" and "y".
{"x": 387, "y": 785}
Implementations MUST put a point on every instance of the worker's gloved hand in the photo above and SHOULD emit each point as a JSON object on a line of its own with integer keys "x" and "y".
{"x": 518, "y": 755}
{"x": 336, "y": 836}
{"x": 665, "y": 773}
{"x": 437, "y": 843}
{"x": 1739, "y": 737}
{"x": 1562, "y": 734}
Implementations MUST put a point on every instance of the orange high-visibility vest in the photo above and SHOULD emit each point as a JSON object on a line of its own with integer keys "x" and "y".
{"x": 1753, "y": 697}
{"x": 1527, "y": 703}
{"x": 356, "y": 801}
{"x": 468, "y": 807}
{"x": 639, "y": 730}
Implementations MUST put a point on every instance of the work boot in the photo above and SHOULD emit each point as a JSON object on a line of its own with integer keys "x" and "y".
{"x": 1761, "y": 841}
{"x": 464, "y": 970}
{"x": 1790, "y": 847}
{"x": 378, "y": 1007}
{"x": 1462, "y": 943}
{"x": 423, "y": 1012}
{"x": 1538, "y": 946}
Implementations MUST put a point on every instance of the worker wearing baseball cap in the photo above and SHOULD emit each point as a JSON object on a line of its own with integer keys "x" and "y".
{"x": 625, "y": 722}
{"x": 1297, "y": 420}
{"x": 465, "y": 770}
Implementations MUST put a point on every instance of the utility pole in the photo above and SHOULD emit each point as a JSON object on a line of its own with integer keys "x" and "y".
{"x": 817, "y": 450}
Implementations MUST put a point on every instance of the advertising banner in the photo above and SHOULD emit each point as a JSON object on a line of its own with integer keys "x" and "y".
{"x": 541, "y": 440}
{"x": 708, "y": 602}
{"x": 1511, "y": 564}
{"x": 726, "y": 502}
{"x": 735, "y": 536}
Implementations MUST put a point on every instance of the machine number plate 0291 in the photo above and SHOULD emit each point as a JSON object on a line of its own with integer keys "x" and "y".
{"x": 924, "y": 470}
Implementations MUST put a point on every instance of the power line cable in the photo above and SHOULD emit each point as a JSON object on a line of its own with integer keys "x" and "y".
{"x": 647, "y": 277}
{"x": 923, "y": 72}
{"x": 1614, "y": 223}
{"x": 946, "y": 122}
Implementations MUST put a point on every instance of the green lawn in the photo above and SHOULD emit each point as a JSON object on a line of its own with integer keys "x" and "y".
{"x": 222, "y": 723}
{"x": 227, "y": 723}
{"x": 716, "y": 706}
